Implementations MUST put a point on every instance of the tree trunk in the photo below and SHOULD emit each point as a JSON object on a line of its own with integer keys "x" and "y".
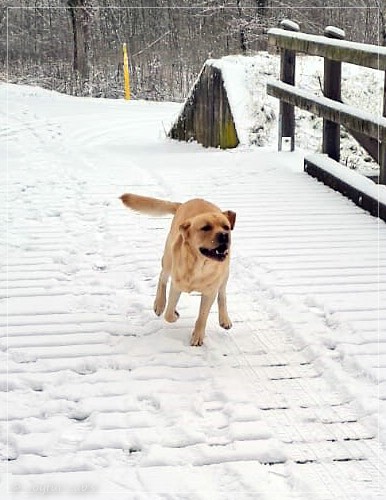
{"x": 382, "y": 20}
{"x": 80, "y": 13}
{"x": 262, "y": 9}
{"x": 243, "y": 42}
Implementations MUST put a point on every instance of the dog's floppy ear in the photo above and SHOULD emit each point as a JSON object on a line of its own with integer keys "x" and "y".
{"x": 184, "y": 229}
{"x": 231, "y": 216}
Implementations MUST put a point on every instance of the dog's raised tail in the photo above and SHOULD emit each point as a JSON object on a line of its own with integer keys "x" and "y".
{"x": 150, "y": 206}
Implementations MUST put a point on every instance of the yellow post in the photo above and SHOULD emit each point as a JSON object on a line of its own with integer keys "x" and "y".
{"x": 126, "y": 76}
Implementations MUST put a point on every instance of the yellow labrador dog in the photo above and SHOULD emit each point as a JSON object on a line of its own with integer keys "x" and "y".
{"x": 196, "y": 256}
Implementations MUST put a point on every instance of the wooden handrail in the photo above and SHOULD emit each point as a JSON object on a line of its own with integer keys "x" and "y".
{"x": 337, "y": 112}
{"x": 370, "y": 56}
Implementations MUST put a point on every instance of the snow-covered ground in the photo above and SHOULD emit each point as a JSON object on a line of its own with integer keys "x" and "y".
{"x": 100, "y": 397}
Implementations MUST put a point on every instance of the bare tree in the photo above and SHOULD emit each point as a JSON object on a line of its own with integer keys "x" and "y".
{"x": 80, "y": 13}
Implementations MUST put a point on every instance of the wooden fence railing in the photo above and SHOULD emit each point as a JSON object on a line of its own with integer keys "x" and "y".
{"x": 369, "y": 130}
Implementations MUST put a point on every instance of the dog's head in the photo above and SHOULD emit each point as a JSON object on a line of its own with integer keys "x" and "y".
{"x": 209, "y": 234}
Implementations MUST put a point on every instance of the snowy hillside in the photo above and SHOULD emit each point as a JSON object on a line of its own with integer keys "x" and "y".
{"x": 99, "y": 396}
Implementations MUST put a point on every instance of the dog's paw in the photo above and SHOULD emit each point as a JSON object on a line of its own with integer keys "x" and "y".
{"x": 171, "y": 318}
{"x": 196, "y": 340}
{"x": 159, "y": 307}
{"x": 225, "y": 323}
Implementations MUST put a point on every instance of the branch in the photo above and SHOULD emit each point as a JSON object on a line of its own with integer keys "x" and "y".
{"x": 151, "y": 44}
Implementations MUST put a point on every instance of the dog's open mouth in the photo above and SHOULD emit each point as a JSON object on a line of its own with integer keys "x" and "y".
{"x": 219, "y": 253}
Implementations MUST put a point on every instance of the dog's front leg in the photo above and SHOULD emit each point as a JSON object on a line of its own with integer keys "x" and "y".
{"x": 199, "y": 328}
{"x": 171, "y": 315}
{"x": 223, "y": 317}
{"x": 160, "y": 299}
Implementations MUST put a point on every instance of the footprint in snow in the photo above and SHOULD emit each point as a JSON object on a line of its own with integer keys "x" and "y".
{"x": 149, "y": 402}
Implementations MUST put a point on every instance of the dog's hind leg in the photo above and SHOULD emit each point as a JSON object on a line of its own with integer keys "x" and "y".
{"x": 160, "y": 299}
{"x": 223, "y": 317}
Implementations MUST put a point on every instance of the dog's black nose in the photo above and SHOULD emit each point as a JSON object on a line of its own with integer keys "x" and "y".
{"x": 222, "y": 238}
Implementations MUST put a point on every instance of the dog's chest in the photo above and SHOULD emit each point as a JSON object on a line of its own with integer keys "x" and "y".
{"x": 202, "y": 277}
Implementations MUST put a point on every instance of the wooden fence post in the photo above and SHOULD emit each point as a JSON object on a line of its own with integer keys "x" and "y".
{"x": 382, "y": 165}
{"x": 287, "y": 75}
{"x": 382, "y": 145}
{"x": 332, "y": 90}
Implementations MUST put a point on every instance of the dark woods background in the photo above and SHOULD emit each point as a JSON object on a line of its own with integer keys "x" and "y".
{"x": 75, "y": 46}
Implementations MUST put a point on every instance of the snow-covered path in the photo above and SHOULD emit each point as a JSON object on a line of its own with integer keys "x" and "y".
{"x": 99, "y": 395}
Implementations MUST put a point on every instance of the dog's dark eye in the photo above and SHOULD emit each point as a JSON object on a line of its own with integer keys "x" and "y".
{"x": 207, "y": 227}
{"x": 226, "y": 228}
